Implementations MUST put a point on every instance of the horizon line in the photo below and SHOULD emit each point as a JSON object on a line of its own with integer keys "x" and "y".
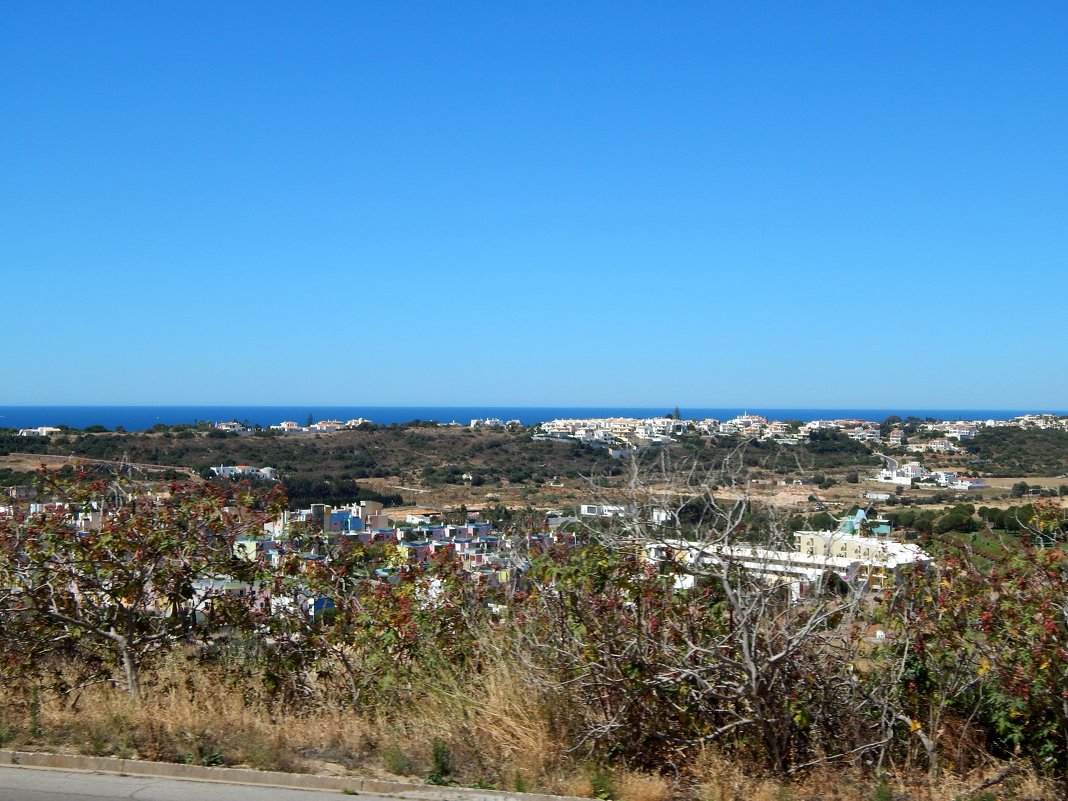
{"x": 882, "y": 407}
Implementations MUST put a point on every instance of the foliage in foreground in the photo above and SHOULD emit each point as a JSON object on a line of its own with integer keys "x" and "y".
{"x": 596, "y": 656}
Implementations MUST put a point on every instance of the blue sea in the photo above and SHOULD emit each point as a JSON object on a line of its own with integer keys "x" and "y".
{"x": 138, "y": 418}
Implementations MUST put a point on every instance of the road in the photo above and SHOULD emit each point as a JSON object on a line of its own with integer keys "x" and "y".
{"x": 891, "y": 464}
{"x": 35, "y": 784}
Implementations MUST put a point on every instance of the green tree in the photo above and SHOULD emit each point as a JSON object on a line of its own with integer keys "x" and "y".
{"x": 123, "y": 590}
{"x": 364, "y": 628}
{"x": 987, "y": 643}
{"x": 822, "y": 521}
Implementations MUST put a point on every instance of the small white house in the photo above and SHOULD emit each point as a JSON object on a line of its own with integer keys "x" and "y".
{"x": 40, "y": 431}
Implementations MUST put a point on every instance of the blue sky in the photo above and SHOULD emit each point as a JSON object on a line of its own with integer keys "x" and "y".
{"x": 765, "y": 204}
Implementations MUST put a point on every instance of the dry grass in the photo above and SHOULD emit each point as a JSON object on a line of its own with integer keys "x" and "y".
{"x": 189, "y": 715}
{"x": 497, "y": 726}
{"x": 576, "y": 785}
{"x": 619, "y": 785}
{"x": 497, "y": 731}
{"x": 720, "y": 778}
{"x": 635, "y": 786}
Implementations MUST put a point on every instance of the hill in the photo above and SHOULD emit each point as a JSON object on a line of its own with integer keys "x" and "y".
{"x": 1018, "y": 452}
{"x": 419, "y": 456}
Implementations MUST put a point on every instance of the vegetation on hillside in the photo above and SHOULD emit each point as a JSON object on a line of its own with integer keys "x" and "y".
{"x": 1013, "y": 451}
{"x": 593, "y": 662}
{"x": 324, "y": 467}
{"x": 412, "y": 452}
{"x": 303, "y": 491}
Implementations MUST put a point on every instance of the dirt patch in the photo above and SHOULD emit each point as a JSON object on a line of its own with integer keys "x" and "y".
{"x": 28, "y": 462}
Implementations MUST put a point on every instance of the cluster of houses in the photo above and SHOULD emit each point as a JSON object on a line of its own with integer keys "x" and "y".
{"x": 858, "y": 556}
{"x": 292, "y": 427}
{"x": 623, "y": 430}
{"x": 326, "y": 426}
{"x": 958, "y": 430}
{"x": 614, "y": 430}
{"x": 486, "y": 556}
{"x": 860, "y": 553}
{"x": 245, "y": 471}
{"x": 494, "y": 422}
{"x": 915, "y": 473}
{"x": 626, "y": 431}
{"x": 933, "y": 446}
{"x": 1044, "y": 420}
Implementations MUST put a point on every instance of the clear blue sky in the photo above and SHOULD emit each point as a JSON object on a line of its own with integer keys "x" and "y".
{"x": 785, "y": 204}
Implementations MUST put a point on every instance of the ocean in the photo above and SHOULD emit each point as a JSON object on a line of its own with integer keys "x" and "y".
{"x": 138, "y": 418}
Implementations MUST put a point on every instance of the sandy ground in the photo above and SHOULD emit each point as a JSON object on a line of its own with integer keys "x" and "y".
{"x": 24, "y": 462}
{"x": 31, "y": 461}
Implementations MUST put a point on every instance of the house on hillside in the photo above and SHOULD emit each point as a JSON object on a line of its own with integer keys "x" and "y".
{"x": 960, "y": 431}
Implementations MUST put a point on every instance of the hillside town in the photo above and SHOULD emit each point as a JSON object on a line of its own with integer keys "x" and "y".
{"x": 628, "y": 430}
{"x": 861, "y": 553}
{"x": 623, "y": 431}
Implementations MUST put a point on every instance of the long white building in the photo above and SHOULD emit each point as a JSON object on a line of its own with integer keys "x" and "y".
{"x": 864, "y": 563}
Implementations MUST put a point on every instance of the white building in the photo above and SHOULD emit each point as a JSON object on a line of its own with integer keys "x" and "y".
{"x": 863, "y": 434}
{"x": 894, "y": 477}
{"x": 40, "y": 431}
{"x": 879, "y": 560}
{"x": 605, "y": 510}
{"x": 862, "y": 562}
{"x": 941, "y": 446}
{"x": 289, "y": 427}
{"x": 747, "y": 425}
{"x": 959, "y": 431}
{"x": 245, "y": 471}
{"x": 913, "y": 470}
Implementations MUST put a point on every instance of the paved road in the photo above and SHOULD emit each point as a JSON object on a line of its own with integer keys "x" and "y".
{"x": 35, "y": 784}
{"x": 891, "y": 464}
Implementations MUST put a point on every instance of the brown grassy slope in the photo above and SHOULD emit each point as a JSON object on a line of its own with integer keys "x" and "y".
{"x": 497, "y": 732}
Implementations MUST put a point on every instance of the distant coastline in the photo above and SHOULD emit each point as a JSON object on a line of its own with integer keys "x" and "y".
{"x": 138, "y": 418}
